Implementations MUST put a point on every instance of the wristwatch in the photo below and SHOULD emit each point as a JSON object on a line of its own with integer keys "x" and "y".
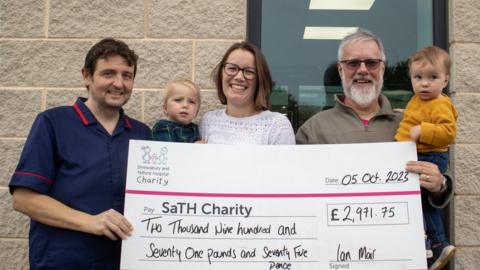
{"x": 444, "y": 185}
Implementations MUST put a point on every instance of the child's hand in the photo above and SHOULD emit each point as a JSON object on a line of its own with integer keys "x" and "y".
{"x": 398, "y": 110}
{"x": 415, "y": 132}
{"x": 202, "y": 141}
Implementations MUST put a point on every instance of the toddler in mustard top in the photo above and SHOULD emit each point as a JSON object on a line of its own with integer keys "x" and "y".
{"x": 430, "y": 120}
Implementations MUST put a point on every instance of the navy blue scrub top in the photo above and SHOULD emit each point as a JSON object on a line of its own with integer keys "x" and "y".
{"x": 70, "y": 157}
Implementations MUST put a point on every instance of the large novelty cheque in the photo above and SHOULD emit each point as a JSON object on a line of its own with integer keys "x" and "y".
{"x": 201, "y": 206}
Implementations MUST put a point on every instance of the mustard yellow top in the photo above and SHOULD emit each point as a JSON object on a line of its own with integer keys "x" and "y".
{"x": 437, "y": 118}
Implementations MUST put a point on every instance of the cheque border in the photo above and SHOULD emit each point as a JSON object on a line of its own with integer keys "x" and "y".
{"x": 272, "y": 195}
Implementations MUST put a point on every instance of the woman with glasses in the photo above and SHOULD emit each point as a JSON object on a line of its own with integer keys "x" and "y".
{"x": 243, "y": 84}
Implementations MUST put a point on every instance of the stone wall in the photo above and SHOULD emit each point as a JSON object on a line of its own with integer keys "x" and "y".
{"x": 464, "y": 33}
{"x": 42, "y": 48}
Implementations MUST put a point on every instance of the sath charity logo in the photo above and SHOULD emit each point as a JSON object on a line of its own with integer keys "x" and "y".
{"x": 154, "y": 167}
{"x": 154, "y": 158}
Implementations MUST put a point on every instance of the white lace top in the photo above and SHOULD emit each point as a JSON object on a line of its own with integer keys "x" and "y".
{"x": 263, "y": 128}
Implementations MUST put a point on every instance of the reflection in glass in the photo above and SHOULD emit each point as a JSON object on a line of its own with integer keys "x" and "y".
{"x": 305, "y": 69}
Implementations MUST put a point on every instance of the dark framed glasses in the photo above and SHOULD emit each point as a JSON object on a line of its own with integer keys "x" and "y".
{"x": 249, "y": 73}
{"x": 354, "y": 64}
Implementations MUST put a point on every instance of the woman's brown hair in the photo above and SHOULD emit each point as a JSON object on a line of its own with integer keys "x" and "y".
{"x": 264, "y": 79}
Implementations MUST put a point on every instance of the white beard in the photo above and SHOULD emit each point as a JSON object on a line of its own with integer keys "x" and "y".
{"x": 363, "y": 96}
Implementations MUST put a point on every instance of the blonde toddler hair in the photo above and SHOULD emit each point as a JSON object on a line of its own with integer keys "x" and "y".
{"x": 185, "y": 82}
{"x": 433, "y": 55}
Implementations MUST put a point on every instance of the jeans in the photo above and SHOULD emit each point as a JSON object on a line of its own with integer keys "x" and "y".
{"x": 438, "y": 158}
{"x": 432, "y": 217}
{"x": 433, "y": 222}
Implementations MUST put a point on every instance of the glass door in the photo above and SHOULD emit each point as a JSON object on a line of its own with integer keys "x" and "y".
{"x": 300, "y": 40}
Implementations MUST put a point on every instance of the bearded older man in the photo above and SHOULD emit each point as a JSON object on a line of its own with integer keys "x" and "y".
{"x": 363, "y": 114}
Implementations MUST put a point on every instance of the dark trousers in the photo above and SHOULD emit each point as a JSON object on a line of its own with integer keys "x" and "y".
{"x": 432, "y": 217}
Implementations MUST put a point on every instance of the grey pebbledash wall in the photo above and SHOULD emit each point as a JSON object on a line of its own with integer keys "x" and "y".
{"x": 42, "y": 48}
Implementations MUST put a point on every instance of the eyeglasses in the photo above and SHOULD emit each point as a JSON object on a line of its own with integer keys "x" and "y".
{"x": 249, "y": 73}
{"x": 354, "y": 64}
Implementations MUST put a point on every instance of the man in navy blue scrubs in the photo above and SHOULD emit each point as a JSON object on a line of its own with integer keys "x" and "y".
{"x": 70, "y": 179}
